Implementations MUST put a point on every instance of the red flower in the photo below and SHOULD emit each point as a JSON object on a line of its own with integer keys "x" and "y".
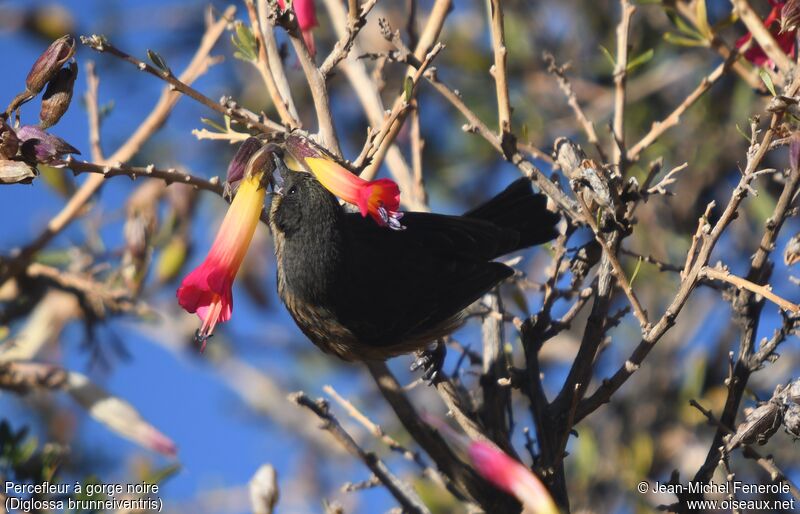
{"x": 510, "y": 475}
{"x": 306, "y": 19}
{"x": 379, "y": 198}
{"x": 500, "y": 469}
{"x": 784, "y": 38}
{"x": 207, "y": 289}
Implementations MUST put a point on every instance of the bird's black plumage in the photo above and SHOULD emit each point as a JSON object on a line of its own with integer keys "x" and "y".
{"x": 364, "y": 292}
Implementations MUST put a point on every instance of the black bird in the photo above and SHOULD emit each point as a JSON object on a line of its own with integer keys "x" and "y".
{"x": 364, "y": 292}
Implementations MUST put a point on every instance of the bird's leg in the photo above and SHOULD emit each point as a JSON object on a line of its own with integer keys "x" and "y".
{"x": 430, "y": 360}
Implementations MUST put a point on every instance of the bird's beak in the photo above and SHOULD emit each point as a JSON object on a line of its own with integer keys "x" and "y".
{"x": 279, "y": 174}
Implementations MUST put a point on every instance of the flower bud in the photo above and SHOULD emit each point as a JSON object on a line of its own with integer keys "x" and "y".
{"x": 58, "y": 96}
{"x": 47, "y": 65}
{"x": 40, "y": 147}
{"x": 239, "y": 162}
{"x": 16, "y": 172}
{"x": 9, "y": 142}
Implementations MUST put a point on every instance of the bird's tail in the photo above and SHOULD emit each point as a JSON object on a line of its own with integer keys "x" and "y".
{"x": 517, "y": 207}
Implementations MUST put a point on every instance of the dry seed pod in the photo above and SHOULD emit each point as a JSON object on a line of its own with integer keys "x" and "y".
{"x": 58, "y": 96}
{"x": 47, "y": 65}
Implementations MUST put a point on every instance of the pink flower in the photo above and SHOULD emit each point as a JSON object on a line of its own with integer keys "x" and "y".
{"x": 379, "y": 198}
{"x": 500, "y": 469}
{"x": 207, "y": 289}
{"x": 784, "y": 36}
{"x": 511, "y": 476}
{"x": 306, "y": 19}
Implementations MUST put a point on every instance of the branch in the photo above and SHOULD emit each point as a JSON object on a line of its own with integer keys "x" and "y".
{"x": 755, "y": 25}
{"x": 198, "y": 65}
{"x": 659, "y": 127}
{"x": 355, "y": 22}
{"x": 620, "y": 77}
{"x": 100, "y": 44}
{"x": 741, "y": 283}
{"x": 263, "y": 66}
{"x": 402, "y": 492}
{"x": 92, "y": 83}
{"x": 498, "y": 70}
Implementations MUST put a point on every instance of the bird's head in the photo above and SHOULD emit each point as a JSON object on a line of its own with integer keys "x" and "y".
{"x": 299, "y": 202}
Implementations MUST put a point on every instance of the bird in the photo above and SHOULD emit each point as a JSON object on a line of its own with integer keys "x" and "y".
{"x": 363, "y": 292}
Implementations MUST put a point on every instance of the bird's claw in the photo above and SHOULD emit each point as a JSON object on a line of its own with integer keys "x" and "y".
{"x": 430, "y": 361}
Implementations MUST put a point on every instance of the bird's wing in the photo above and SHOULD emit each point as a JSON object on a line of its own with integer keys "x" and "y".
{"x": 409, "y": 282}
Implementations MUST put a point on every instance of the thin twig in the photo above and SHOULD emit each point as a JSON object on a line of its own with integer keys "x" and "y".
{"x": 198, "y": 65}
{"x": 498, "y": 70}
{"x": 755, "y": 25}
{"x": 99, "y": 44}
{"x": 402, "y": 492}
{"x": 264, "y": 68}
{"x": 659, "y": 127}
{"x": 355, "y": 22}
{"x": 741, "y": 283}
{"x": 316, "y": 83}
{"x": 620, "y": 77}
{"x": 92, "y": 83}
{"x": 572, "y": 100}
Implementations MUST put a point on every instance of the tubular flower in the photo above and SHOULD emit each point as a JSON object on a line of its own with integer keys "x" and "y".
{"x": 783, "y": 29}
{"x": 207, "y": 289}
{"x": 500, "y": 469}
{"x": 306, "y": 14}
{"x": 379, "y": 198}
{"x": 510, "y": 475}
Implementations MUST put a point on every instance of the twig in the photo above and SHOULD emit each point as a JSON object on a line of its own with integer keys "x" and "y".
{"x": 566, "y": 204}
{"x": 355, "y": 22}
{"x": 766, "y": 463}
{"x": 264, "y": 68}
{"x": 433, "y": 443}
{"x": 498, "y": 70}
{"x": 619, "y": 273}
{"x": 572, "y": 101}
{"x": 198, "y": 65}
{"x": 391, "y": 442}
{"x": 417, "y": 145}
{"x": 101, "y": 45}
{"x": 368, "y": 92}
{"x": 274, "y": 57}
{"x": 92, "y": 82}
{"x": 385, "y": 136}
{"x": 316, "y": 84}
{"x": 620, "y": 77}
{"x": 427, "y": 40}
{"x": 659, "y": 127}
{"x": 169, "y": 176}
{"x": 402, "y": 492}
{"x": 741, "y": 283}
{"x": 755, "y": 25}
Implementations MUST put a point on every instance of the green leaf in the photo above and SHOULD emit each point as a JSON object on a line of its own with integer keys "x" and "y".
{"x": 767, "y": 80}
{"x": 213, "y": 124}
{"x": 245, "y": 41}
{"x": 408, "y": 89}
{"x": 680, "y": 24}
{"x": 158, "y": 61}
{"x": 641, "y": 59}
{"x": 608, "y": 56}
{"x": 675, "y": 39}
{"x": 740, "y": 131}
{"x": 636, "y": 271}
{"x": 702, "y": 18}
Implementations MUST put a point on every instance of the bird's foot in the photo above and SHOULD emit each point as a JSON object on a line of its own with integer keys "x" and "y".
{"x": 430, "y": 361}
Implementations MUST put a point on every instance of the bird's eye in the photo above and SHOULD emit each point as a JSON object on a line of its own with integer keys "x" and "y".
{"x": 292, "y": 190}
